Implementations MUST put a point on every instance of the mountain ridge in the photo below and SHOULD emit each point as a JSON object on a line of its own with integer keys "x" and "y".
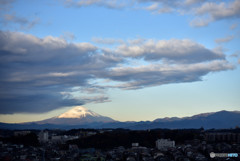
{"x": 84, "y": 118}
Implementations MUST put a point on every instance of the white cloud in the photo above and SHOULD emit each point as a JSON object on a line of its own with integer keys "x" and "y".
{"x": 221, "y": 10}
{"x": 22, "y": 22}
{"x": 217, "y": 11}
{"x": 192, "y": 2}
{"x": 158, "y": 74}
{"x": 159, "y": 8}
{"x": 152, "y": 7}
{"x": 204, "y": 11}
{"x": 108, "y": 41}
{"x": 200, "y": 22}
{"x": 113, "y": 4}
{"x": 224, "y": 39}
{"x": 68, "y": 36}
{"x": 185, "y": 51}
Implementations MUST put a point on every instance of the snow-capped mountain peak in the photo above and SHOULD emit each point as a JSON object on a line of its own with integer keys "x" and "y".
{"x": 78, "y": 112}
{"x": 77, "y": 116}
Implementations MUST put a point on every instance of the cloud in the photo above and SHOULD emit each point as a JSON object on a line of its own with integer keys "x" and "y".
{"x": 156, "y": 8}
{"x": 235, "y": 54}
{"x": 109, "y": 41}
{"x": 34, "y": 103}
{"x": 200, "y": 22}
{"x": 164, "y": 61}
{"x": 203, "y": 11}
{"x": 42, "y": 74}
{"x": 225, "y": 39}
{"x": 233, "y": 26}
{"x": 22, "y": 22}
{"x": 68, "y": 36}
{"x": 112, "y": 4}
{"x": 217, "y": 11}
{"x": 152, "y": 7}
{"x": 220, "y": 10}
{"x": 159, "y": 74}
{"x": 192, "y": 2}
{"x": 44, "y": 68}
{"x": 185, "y": 51}
{"x": 9, "y": 19}
{"x": 5, "y": 4}
{"x": 96, "y": 99}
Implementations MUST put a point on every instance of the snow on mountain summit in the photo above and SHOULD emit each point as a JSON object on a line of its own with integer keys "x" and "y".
{"x": 78, "y": 112}
{"x": 77, "y": 116}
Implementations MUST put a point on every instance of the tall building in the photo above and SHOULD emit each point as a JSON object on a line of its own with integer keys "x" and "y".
{"x": 43, "y": 136}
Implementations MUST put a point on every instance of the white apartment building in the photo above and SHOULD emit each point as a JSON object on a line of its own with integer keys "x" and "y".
{"x": 162, "y": 144}
{"x": 43, "y": 136}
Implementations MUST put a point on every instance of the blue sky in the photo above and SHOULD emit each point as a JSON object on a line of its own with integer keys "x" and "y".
{"x": 129, "y": 60}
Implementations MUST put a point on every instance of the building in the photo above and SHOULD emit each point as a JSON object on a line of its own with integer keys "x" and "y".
{"x": 135, "y": 144}
{"x": 163, "y": 144}
{"x": 223, "y": 137}
{"x": 21, "y": 133}
{"x": 43, "y": 137}
{"x": 56, "y": 139}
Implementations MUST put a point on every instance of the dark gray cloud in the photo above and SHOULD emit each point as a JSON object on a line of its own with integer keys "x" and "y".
{"x": 42, "y": 74}
{"x": 34, "y": 103}
{"x": 33, "y": 70}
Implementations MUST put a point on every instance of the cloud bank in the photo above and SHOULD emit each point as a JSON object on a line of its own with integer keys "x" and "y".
{"x": 185, "y": 51}
{"x": 42, "y": 74}
{"x": 204, "y": 11}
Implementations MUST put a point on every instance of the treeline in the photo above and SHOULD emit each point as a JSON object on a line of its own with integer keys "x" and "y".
{"x": 30, "y": 139}
{"x": 122, "y": 137}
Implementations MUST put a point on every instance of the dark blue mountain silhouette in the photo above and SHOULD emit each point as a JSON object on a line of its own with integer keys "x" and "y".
{"x": 216, "y": 120}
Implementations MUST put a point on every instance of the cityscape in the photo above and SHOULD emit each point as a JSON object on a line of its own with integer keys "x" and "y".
{"x": 120, "y": 144}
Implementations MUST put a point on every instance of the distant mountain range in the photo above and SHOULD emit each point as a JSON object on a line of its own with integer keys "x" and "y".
{"x": 80, "y": 117}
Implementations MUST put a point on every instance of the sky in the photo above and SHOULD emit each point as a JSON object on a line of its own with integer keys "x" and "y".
{"x": 130, "y": 60}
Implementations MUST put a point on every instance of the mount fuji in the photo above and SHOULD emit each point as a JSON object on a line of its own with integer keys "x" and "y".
{"x": 77, "y": 116}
